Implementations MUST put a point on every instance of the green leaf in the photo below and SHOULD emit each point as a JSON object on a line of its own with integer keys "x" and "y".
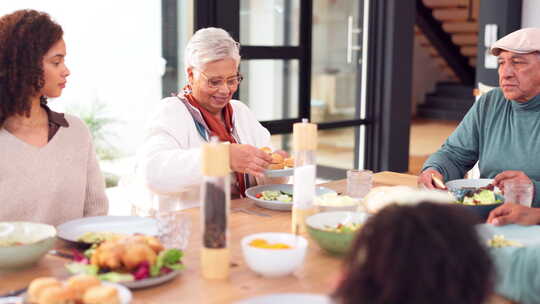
{"x": 116, "y": 277}
{"x": 80, "y": 268}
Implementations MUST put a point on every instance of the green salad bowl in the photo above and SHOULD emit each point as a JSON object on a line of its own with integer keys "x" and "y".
{"x": 333, "y": 242}
{"x": 23, "y": 244}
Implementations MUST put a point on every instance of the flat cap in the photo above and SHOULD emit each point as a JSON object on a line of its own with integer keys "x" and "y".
{"x": 522, "y": 41}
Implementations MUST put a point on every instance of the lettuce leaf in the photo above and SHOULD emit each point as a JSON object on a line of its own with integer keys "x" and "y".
{"x": 169, "y": 258}
{"x": 81, "y": 268}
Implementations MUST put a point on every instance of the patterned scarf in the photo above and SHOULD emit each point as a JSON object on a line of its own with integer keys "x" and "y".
{"x": 216, "y": 128}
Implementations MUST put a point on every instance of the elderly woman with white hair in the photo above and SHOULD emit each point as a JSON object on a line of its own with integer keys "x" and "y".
{"x": 170, "y": 157}
{"x": 502, "y": 129}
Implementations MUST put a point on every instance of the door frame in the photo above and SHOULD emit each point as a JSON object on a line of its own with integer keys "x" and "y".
{"x": 388, "y": 112}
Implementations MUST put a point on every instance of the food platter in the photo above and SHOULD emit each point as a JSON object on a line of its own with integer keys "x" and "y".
{"x": 153, "y": 281}
{"x": 279, "y": 172}
{"x": 277, "y": 205}
{"x": 72, "y": 230}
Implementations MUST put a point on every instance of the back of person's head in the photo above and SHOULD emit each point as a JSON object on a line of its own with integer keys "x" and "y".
{"x": 426, "y": 253}
{"x": 208, "y": 45}
{"x": 25, "y": 37}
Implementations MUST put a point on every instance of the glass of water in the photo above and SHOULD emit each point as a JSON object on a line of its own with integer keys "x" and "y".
{"x": 174, "y": 228}
{"x": 359, "y": 182}
{"x": 519, "y": 193}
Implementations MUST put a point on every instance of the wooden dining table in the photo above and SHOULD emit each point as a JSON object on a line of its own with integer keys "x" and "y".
{"x": 318, "y": 274}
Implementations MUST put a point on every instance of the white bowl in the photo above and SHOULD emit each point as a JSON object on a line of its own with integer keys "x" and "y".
{"x": 274, "y": 262}
{"x": 34, "y": 240}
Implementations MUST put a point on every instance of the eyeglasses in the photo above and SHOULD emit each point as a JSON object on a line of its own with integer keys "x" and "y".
{"x": 216, "y": 82}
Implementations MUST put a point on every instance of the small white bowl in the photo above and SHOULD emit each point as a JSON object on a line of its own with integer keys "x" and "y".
{"x": 274, "y": 262}
{"x": 35, "y": 240}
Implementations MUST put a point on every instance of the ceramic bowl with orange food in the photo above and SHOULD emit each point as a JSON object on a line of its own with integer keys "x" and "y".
{"x": 274, "y": 254}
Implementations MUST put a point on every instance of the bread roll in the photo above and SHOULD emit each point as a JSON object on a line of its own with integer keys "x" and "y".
{"x": 37, "y": 286}
{"x": 277, "y": 158}
{"x": 288, "y": 162}
{"x": 266, "y": 149}
{"x": 103, "y": 294}
{"x": 275, "y": 166}
{"x": 57, "y": 295}
{"x": 80, "y": 283}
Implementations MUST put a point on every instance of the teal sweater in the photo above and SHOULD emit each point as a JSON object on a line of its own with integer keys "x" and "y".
{"x": 500, "y": 134}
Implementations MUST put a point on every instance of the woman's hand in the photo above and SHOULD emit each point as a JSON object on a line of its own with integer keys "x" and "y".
{"x": 282, "y": 153}
{"x": 425, "y": 179}
{"x": 510, "y": 213}
{"x": 518, "y": 176}
{"x": 248, "y": 159}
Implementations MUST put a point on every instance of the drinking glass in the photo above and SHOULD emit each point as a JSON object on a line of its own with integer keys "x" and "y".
{"x": 519, "y": 193}
{"x": 174, "y": 228}
{"x": 359, "y": 182}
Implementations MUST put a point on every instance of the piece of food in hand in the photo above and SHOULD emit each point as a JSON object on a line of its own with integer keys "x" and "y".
{"x": 277, "y": 158}
{"x": 102, "y": 294}
{"x": 288, "y": 162}
{"x": 275, "y": 166}
{"x": 37, "y": 286}
{"x": 266, "y": 149}
{"x": 80, "y": 283}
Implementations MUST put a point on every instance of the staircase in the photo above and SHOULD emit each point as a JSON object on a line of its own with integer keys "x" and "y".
{"x": 459, "y": 19}
{"x": 451, "y": 101}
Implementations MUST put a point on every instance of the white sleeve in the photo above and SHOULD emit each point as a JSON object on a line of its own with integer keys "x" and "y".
{"x": 167, "y": 163}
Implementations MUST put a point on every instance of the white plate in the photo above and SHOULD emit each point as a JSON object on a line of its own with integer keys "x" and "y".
{"x": 279, "y": 173}
{"x": 123, "y": 292}
{"x": 151, "y": 281}
{"x": 74, "y": 229}
{"x": 277, "y": 205}
{"x": 289, "y": 298}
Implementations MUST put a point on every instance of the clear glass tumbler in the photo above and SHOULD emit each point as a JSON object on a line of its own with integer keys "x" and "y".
{"x": 519, "y": 193}
{"x": 174, "y": 228}
{"x": 359, "y": 182}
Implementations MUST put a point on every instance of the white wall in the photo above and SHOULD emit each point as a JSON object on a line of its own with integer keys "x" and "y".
{"x": 530, "y": 12}
{"x": 114, "y": 54}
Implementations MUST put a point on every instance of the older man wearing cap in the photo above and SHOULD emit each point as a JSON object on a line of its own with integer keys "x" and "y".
{"x": 502, "y": 129}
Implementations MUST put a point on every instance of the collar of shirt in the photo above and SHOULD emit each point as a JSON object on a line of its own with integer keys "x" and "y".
{"x": 55, "y": 118}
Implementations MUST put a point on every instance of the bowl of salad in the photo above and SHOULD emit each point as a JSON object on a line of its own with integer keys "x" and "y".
{"x": 335, "y": 231}
{"x": 477, "y": 195}
{"x": 22, "y": 244}
{"x": 277, "y": 196}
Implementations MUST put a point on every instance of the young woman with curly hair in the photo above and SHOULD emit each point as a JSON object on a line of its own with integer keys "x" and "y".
{"x": 49, "y": 170}
{"x": 423, "y": 254}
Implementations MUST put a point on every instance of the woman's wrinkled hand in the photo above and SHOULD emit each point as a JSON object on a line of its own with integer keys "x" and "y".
{"x": 518, "y": 176}
{"x": 510, "y": 213}
{"x": 425, "y": 179}
{"x": 248, "y": 159}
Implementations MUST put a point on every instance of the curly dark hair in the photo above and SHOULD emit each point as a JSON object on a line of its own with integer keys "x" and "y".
{"x": 25, "y": 37}
{"x": 428, "y": 253}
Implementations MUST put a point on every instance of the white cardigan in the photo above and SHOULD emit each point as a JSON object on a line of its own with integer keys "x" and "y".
{"x": 169, "y": 161}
